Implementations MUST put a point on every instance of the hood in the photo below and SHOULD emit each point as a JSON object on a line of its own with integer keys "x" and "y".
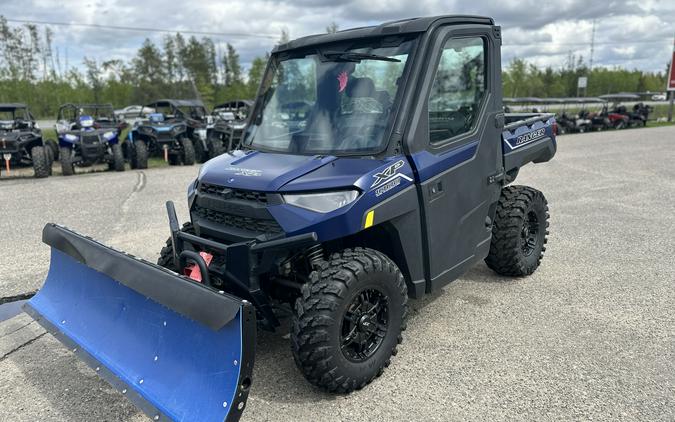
{"x": 10, "y": 135}
{"x": 270, "y": 172}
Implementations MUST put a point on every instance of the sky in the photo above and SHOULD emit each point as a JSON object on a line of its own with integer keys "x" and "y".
{"x": 628, "y": 33}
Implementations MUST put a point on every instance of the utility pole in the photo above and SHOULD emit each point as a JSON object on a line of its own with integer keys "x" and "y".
{"x": 669, "y": 84}
{"x": 590, "y": 66}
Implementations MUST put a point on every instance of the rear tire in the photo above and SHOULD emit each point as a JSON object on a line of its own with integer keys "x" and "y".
{"x": 117, "y": 163}
{"x": 40, "y": 162}
{"x": 349, "y": 320}
{"x": 188, "y": 151}
{"x": 519, "y": 232}
{"x": 66, "y": 159}
{"x": 141, "y": 154}
{"x": 50, "y": 159}
{"x": 166, "y": 254}
{"x": 54, "y": 147}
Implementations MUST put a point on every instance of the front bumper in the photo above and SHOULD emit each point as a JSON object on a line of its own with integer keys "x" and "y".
{"x": 241, "y": 263}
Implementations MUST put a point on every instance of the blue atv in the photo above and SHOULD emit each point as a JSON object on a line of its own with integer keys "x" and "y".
{"x": 88, "y": 134}
{"x": 175, "y": 130}
{"x": 376, "y": 167}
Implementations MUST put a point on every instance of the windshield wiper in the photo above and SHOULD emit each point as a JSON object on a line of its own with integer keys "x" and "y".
{"x": 350, "y": 56}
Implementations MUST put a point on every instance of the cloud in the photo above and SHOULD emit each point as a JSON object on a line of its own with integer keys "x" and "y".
{"x": 630, "y": 33}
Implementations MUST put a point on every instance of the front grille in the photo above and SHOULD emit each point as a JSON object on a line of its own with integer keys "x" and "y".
{"x": 228, "y": 193}
{"x": 165, "y": 136}
{"x": 249, "y": 224}
{"x": 90, "y": 139}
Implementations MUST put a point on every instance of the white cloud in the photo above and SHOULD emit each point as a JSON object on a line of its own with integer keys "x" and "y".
{"x": 631, "y": 33}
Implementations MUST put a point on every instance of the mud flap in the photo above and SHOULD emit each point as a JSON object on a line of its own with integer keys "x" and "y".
{"x": 177, "y": 349}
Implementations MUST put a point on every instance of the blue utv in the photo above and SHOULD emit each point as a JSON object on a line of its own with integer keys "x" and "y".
{"x": 176, "y": 130}
{"x": 376, "y": 167}
{"x": 89, "y": 134}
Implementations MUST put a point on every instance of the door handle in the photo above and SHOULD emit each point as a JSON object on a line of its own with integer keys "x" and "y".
{"x": 435, "y": 190}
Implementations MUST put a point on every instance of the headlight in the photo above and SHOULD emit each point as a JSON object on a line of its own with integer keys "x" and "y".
{"x": 109, "y": 135}
{"x": 201, "y": 133}
{"x": 36, "y": 126}
{"x": 322, "y": 202}
{"x": 177, "y": 129}
{"x": 70, "y": 137}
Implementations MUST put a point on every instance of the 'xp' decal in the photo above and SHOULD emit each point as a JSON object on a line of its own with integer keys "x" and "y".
{"x": 389, "y": 178}
{"x": 529, "y": 137}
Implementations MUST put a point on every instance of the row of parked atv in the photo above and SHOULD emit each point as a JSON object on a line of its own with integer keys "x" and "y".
{"x": 585, "y": 114}
{"x": 180, "y": 131}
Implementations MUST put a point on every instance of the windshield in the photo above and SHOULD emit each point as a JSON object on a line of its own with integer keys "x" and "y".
{"x": 9, "y": 114}
{"x": 332, "y": 101}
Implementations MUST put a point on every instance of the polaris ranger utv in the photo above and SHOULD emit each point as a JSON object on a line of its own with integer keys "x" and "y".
{"x": 21, "y": 142}
{"x": 176, "y": 130}
{"x": 392, "y": 184}
{"x": 89, "y": 134}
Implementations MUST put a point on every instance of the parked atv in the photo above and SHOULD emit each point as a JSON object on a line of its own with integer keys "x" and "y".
{"x": 89, "y": 134}
{"x": 370, "y": 173}
{"x": 230, "y": 123}
{"x": 21, "y": 142}
{"x": 176, "y": 131}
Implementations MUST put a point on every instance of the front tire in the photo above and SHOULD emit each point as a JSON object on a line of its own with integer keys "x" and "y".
{"x": 141, "y": 154}
{"x": 188, "y": 151}
{"x": 66, "y": 159}
{"x": 40, "y": 162}
{"x": 117, "y": 163}
{"x": 519, "y": 232}
{"x": 349, "y": 320}
{"x": 166, "y": 254}
{"x": 216, "y": 147}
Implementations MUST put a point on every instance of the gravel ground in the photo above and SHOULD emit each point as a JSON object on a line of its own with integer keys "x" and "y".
{"x": 591, "y": 335}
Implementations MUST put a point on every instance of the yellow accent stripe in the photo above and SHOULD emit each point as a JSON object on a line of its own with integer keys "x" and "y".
{"x": 369, "y": 219}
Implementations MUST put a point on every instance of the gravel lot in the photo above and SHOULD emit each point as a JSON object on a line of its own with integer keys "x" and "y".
{"x": 591, "y": 335}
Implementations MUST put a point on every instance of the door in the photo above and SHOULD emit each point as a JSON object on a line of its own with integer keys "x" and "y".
{"x": 462, "y": 153}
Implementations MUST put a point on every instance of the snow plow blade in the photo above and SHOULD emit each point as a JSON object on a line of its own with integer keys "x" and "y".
{"x": 177, "y": 349}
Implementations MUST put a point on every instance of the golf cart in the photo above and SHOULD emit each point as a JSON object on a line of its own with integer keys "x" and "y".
{"x": 21, "y": 142}
{"x": 88, "y": 134}
{"x": 622, "y": 117}
{"x": 376, "y": 167}
{"x": 176, "y": 130}
{"x": 230, "y": 122}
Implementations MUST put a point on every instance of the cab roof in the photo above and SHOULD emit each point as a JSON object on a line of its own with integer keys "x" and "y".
{"x": 12, "y": 105}
{"x": 179, "y": 103}
{"x": 404, "y": 26}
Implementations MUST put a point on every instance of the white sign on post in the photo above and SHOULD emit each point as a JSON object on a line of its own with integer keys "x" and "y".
{"x": 582, "y": 82}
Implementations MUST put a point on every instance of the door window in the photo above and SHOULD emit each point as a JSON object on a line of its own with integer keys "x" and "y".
{"x": 458, "y": 89}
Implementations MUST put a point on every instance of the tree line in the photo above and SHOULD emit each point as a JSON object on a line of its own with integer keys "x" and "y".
{"x": 34, "y": 71}
{"x": 523, "y": 79}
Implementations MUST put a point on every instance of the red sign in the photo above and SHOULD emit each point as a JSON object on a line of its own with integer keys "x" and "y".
{"x": 671, "y": 74}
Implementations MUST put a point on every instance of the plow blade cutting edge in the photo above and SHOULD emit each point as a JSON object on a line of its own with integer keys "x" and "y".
{"x": 177, "y": 349}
